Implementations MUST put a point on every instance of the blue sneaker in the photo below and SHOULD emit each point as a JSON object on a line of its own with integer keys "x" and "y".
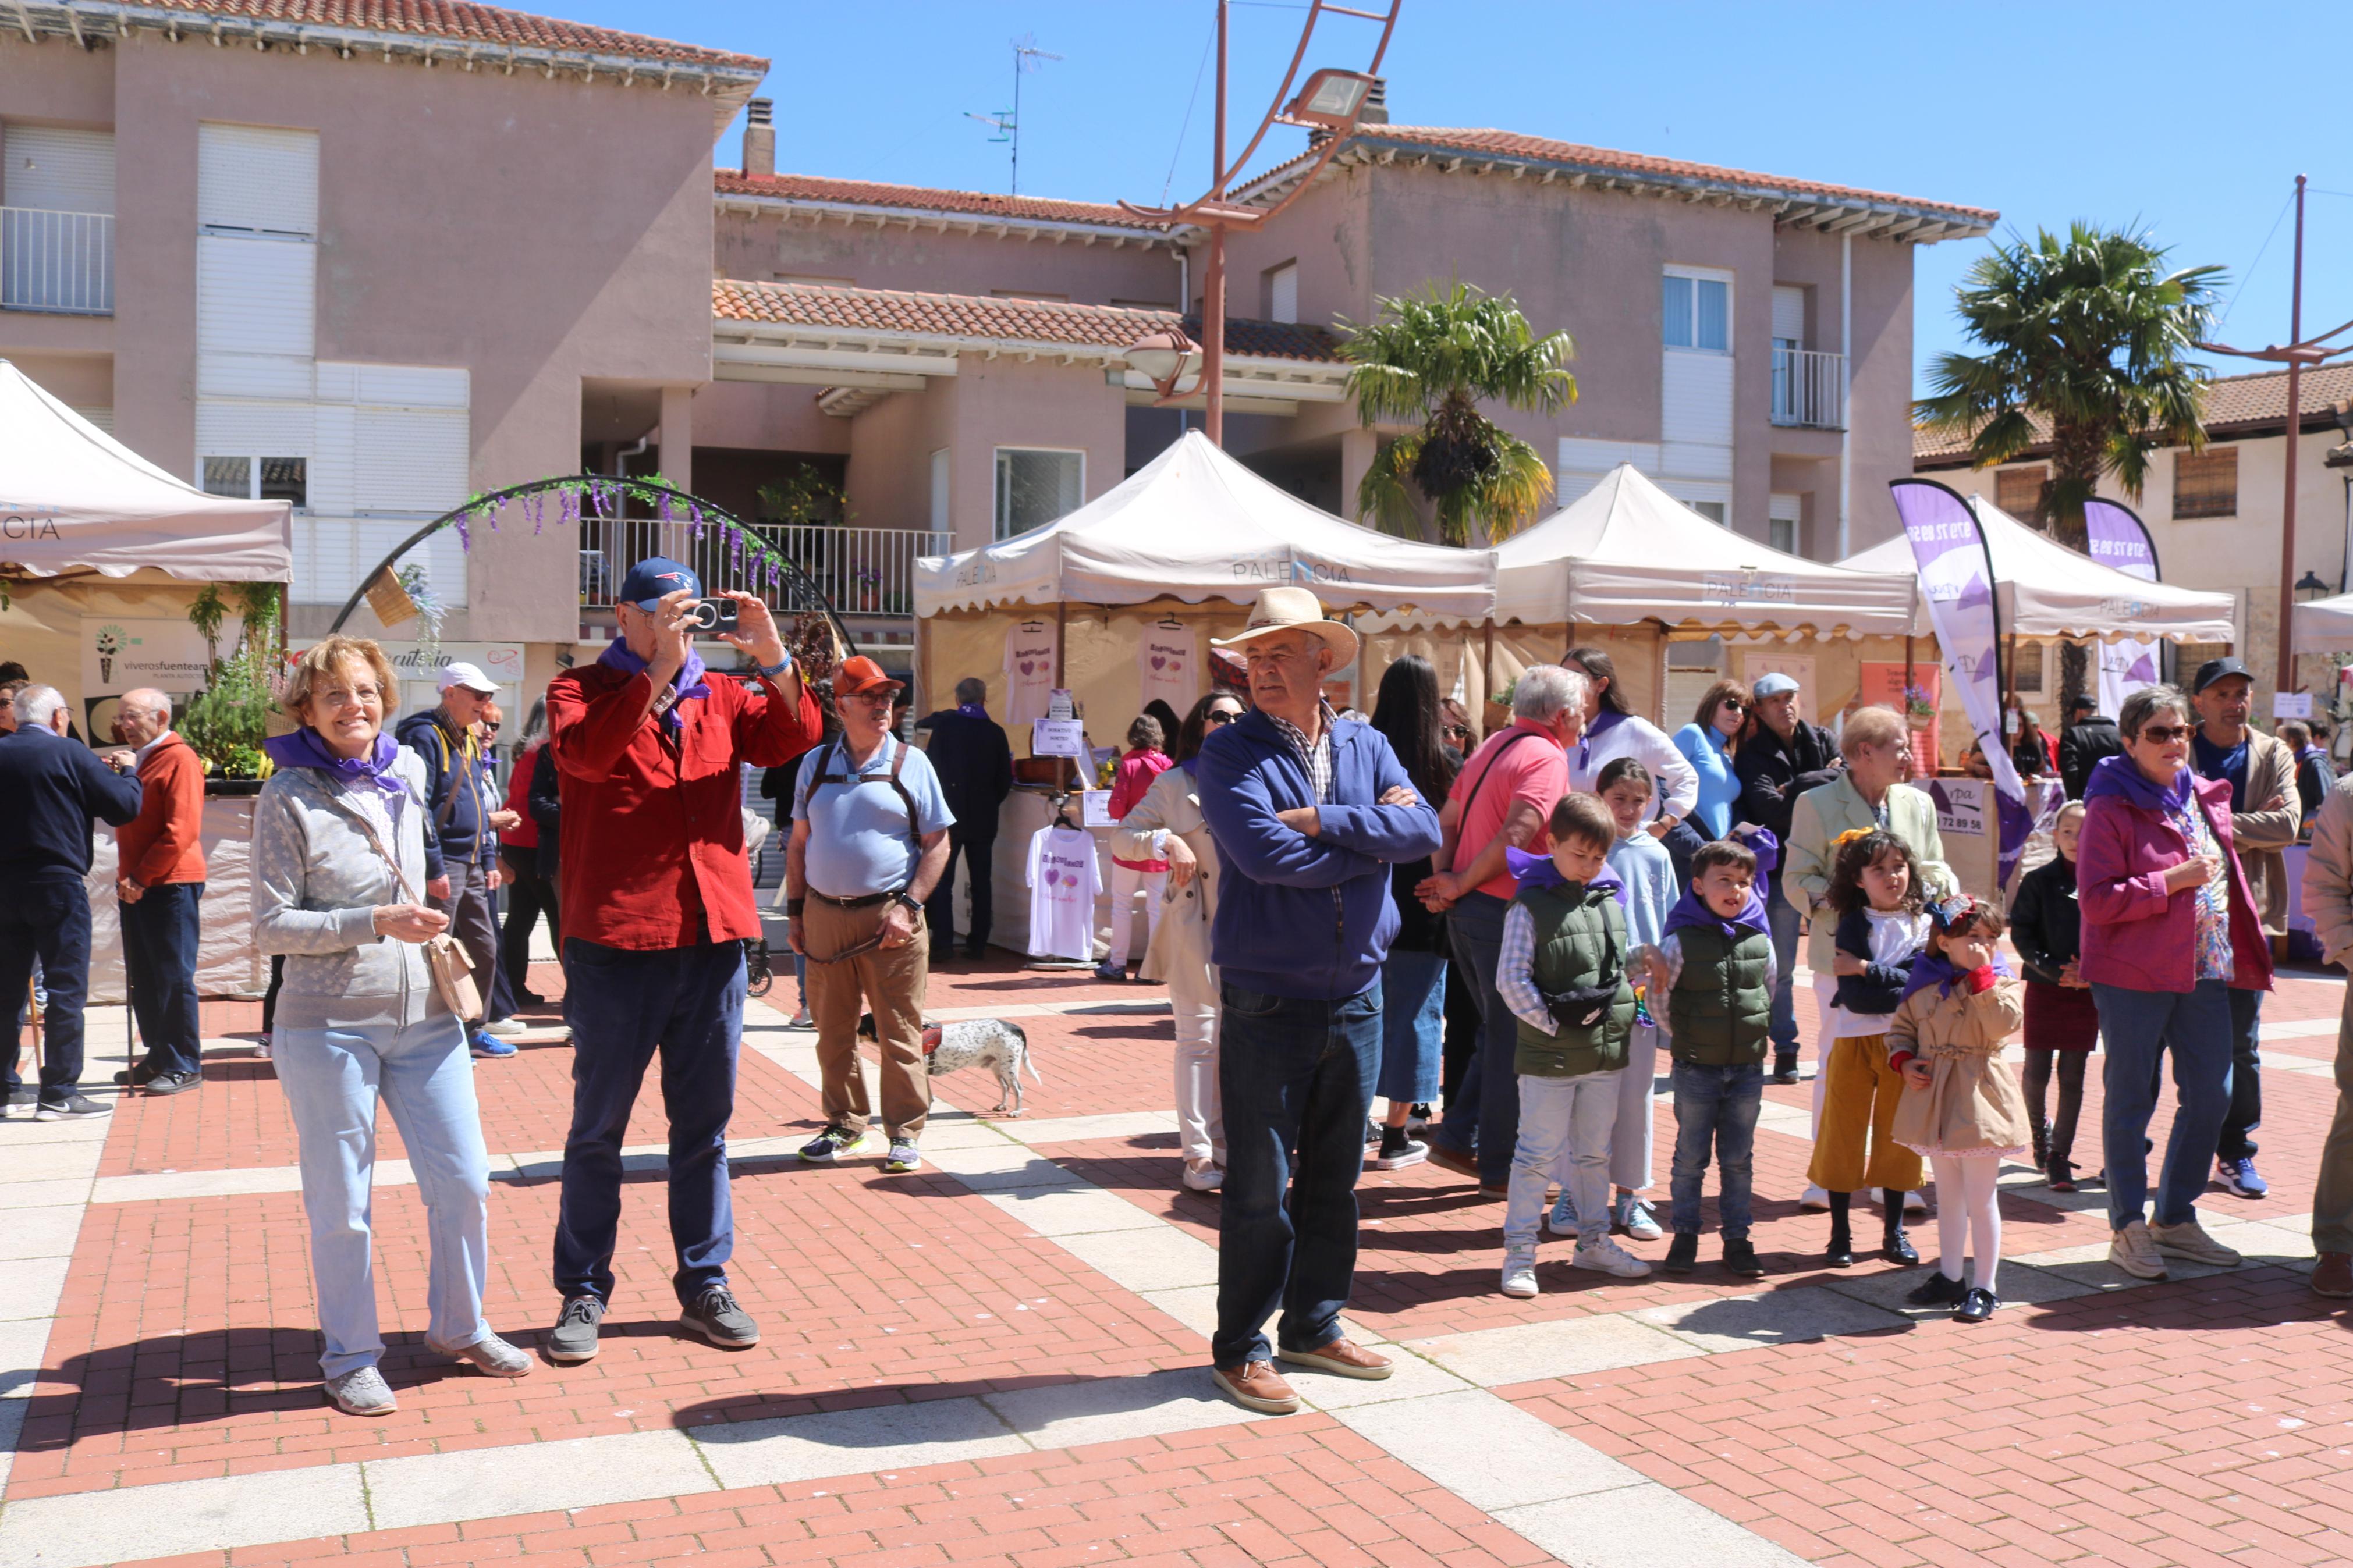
{"x": 1563, "y": 1219}
{"x": 2239, "y": 1178}
{"x": 489, "y": 1045}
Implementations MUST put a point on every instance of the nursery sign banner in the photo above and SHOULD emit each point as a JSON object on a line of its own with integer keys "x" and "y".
{"x": 119, "y": 655}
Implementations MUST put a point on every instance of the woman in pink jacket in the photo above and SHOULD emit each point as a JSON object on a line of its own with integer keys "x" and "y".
{"x": 2169, "y": 931}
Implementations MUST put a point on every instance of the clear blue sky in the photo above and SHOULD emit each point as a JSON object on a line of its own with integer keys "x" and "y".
{"x": 2158, "y": 113}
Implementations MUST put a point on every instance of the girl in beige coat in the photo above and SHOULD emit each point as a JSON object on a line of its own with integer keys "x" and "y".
{"x": 1166, "y": 824}
{"x": 1961, "y": 1104}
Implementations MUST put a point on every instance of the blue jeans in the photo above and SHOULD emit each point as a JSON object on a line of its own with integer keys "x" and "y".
{"x": 47, "y": 922}
{"x": 424, "y": 1075}
{"x": 1293, "y": 1074}
{"x": 625, "y": 1004}
{"x": 159, "y": 957}
{"x": 1715, "y": 1113}
{"x": 1486, "y": 1114}
{"x": 1413, "y": 1025}
{"x": 1783, "y": 919}
{"x": 1564, "y": 1125}
{"x": 2247, "y": 1111}
{"x": 2136, "y": 1027}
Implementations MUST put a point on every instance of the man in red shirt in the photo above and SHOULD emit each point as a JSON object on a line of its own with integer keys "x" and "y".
{"x": 160, "y": 881}
{"x": 658, "y": 903}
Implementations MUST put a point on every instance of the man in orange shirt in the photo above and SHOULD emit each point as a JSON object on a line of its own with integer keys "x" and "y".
{"x": 159, "y": 879}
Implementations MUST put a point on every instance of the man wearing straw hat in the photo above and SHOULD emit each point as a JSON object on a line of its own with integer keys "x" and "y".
{"x": 1308, "y": 813}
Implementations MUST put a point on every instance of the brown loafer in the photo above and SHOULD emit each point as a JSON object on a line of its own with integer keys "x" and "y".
{"x": 2333, "y": 1277}
{"x": 1454, "y": 1160}
{"x": 1256, "y": 1385}
{"x": 1342, "y": 1358}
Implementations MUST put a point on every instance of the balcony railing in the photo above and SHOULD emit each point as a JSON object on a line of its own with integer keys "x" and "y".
{"x": 1808, "y": 389}
{"x": 59, "y": 262}
{"x": 861, "y": 571}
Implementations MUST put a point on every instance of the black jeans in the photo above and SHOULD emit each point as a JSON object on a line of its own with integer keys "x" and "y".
{"x": 1293, "y": 1074}
{"x": 529, "y": 895}
{"x": 159, "y": 958}
{"x": 49, "y": 921}
{"x": 2246, "y": 1112}
{"x": 476, "y": 929}
{"x": 1488, "y": 1113}
{"x": 980, "y": 864}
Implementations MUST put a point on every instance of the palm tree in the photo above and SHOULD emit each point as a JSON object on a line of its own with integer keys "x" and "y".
{"x": 2086, "y": 336}
{"x": 1430, "y": 357}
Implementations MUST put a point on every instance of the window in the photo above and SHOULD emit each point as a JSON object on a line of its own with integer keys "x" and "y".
{"x": 1783, "y": 513}
{"x": 1710, "y": 509}
{"x": 2206, "y": 484}
{"x": 259, "y": 478}
{"x": 2018, "y": 492}
{"x": 229, "y": 477}
{"x": 1697, "y": 313}
{"x": 1281, "y": 290}
{"x": 1034, "y": 487}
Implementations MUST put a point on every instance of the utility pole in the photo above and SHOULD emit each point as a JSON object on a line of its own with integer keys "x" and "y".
{"x": 1213, "y": 277}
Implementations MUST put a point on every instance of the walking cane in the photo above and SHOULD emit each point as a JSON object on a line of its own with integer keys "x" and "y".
{"x": 33, "y": 1011}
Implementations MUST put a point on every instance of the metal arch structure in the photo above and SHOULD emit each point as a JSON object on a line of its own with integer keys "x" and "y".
{"x": 802, "y": 596}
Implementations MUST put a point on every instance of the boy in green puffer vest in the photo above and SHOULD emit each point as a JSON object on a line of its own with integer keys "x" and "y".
{"x": 1563, "y": 972}
{"x": 1714, "y": 970}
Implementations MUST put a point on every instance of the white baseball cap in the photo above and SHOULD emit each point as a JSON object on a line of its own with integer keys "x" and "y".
{"x": 469, "y": 676}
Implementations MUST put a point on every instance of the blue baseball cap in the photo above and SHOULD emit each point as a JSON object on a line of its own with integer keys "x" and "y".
{"x": 654, "y": 577}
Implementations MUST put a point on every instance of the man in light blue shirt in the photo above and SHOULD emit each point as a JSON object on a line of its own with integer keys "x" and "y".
{"x": 870, "y": 841}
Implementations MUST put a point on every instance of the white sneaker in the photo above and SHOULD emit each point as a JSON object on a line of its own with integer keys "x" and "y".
{"x": 1814, "y": 1200}
{"x": 505, "y": 1029}
{"x": 1203, "y": 1175}
{"x": 2189, "y": 1242}
{"x": 1607, "y": 1255}
{"x": 1520, "y": 1272}
{"x": 1635, "y": 1217}
{"x": 801, "y": 1020}
{"x": 2133, "y": 1250}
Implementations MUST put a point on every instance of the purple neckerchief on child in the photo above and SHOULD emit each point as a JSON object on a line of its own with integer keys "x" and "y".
{"x": 2122, "y": 775}
{"x": 688, "y": 682}
{"x": 1930, "y": 968}
{"x": 973, "y": 710}
{"x": 304, "y": 749}
{"x": 1691, "y": 910}
{"x": 1601, "y": 723}
{"x": 1762, "y": 843}
{"x": 1530, "y": 869}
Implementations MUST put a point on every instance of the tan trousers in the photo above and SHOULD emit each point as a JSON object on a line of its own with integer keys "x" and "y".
{"x": 2332, "y": 1198}
{"x": 1858, "y": 1109}
{"x": 886, "y": 981}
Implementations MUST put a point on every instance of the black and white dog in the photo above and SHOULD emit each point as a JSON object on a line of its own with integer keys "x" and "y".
{"x": 991, "y": 1043}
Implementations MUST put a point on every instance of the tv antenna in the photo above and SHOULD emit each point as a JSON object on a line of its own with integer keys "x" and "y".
{"x": 1007, "y": 122}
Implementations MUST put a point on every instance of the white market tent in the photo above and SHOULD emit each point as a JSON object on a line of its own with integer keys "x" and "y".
{"x": 1626, "y": 551}
{"x": 1193, "y": 524}
{"x": 2324, "y": 625}
{"x": 74, "y": 499}
{"x": 2045, "y": 590}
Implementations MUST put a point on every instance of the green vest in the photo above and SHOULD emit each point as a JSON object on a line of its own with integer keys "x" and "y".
{"x": 1580, "y": 938}
{"x": 1721, "y": 1010}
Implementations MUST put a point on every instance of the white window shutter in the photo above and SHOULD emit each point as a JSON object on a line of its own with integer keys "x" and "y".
{"x": 53, "y": 170}
{"x": 1283, "y": 292}
{"x": 1788, "y": 313}
{"x": 409, "y": 459}
{"x": 253, "y": 177}
{"x": 255, "y": 312}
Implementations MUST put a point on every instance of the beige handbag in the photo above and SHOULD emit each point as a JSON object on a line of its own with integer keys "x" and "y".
{"x": 452, "y": 971}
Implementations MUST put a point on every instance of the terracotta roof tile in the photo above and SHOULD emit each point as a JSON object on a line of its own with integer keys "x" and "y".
{"x": 925, "y": 198}
{"x": 2236, "y": 405}
{"x": 1013, "y": 320}
{"x": 463, "y": 21}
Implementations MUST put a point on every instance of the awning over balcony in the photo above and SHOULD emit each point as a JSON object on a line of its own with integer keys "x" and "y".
{"x": 74, "y": 499}
{"x": 1193, "y": 524}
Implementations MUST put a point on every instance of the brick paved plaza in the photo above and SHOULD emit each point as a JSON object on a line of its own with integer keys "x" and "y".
{"x": 1001, "y": 1360}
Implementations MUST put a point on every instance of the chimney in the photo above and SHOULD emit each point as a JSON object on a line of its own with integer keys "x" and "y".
{"x": 1377, "y": 104}
{"x": 760, "y": 136}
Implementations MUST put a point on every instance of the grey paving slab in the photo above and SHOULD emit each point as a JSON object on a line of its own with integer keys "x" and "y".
{"x": 1788, "y": 1316}
{"x": 533, "y": 1478}
{"x": 2262, "y": 1241}
{"x": 1642, "y": 1526}
{"x": 81, "y": 1530}
{"x": 1072, "y": 1211}
{"x": 30, "y": 1287}
{"x": 1492, "y": 1454}
{"x": 76, "y": 1160}
{"x": 1158, "y": 1259}
{"x": 1195, "y": 1306}
{"x": 1102, "y": 1410}
{"x": 853, "y": 1442}
{"x": 1568, "y": 1347}
{"x": 39, "y": 1233}
{"x": 2018, "y": 1284}
{"x": 21, "y": 1131}
{"x": 1414, "y": 1376}
{"x": 1087, "y": 1129}
{"x": 46, "y": 1194}
{"x": 24, "y": 1344}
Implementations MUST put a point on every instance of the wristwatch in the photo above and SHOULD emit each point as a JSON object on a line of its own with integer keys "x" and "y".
{"x": 901, "y": 896}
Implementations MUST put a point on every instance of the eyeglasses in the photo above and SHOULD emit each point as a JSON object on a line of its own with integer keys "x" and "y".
{"x": 337, "y": 696}
{"x": 2164, "y": 734}
{"x": 1732, "y": 702}
{"x": 1456, "y": 731}
{"x": 1220, "y": 716}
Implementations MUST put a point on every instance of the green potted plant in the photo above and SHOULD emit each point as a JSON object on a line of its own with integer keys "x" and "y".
{"x": 228, "y": 720}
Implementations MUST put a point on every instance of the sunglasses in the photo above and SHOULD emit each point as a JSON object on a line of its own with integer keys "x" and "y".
{"x": 2165, "y": 734}
{"x": 1219, "y": 716}
{"x": 1458, "y": 732}
{"x": 1732, "y": 702}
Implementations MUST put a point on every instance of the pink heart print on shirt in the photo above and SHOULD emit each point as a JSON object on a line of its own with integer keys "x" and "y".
{"x": 1052, "y": 877}
{"x": 1027, "y": 667}
{"x": 1159, "y": 662}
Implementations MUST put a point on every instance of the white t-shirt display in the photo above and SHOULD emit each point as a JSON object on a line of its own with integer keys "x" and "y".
{"x": 1029, "y": 671}
{"x": 1064, "y": 881}
{"x": 1165, "y": 666}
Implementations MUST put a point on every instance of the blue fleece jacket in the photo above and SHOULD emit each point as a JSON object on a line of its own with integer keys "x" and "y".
{"x": 1301, "y": 917}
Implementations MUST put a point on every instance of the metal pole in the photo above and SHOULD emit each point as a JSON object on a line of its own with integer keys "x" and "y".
{"x": 1213, "y": 280}
{"x": 2285, "y": 679}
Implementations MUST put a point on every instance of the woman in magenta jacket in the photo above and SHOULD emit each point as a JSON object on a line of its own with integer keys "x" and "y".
{"x": 2169, "y": 931}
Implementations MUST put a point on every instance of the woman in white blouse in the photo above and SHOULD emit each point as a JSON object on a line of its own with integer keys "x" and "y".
{"x": 1611, "y": 731}
{"x": 1166, "y": 824}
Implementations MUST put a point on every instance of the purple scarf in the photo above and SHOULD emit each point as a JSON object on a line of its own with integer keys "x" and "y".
{"x": 688, "y": 682}
{"x": 1692, "y": 911}
{"x": 2122, "y": 775}
{"x": 1930, "y": 968}
{"x": 1601, "y": 723}
{"x": 304, "y": 749}
{"x": 1533, "y": 870}
{"x": 973, "y": 710}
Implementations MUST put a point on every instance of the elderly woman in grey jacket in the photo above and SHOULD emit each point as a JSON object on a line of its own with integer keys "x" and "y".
{"x": 359, "y": 1020}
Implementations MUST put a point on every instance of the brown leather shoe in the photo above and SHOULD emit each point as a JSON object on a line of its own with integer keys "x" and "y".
{"x": 1256, "y": 1385}
{"x": 1454, "y": 1160}
{"x": 2333, "y": 1277}
{"x": 1343, "y": 1358}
